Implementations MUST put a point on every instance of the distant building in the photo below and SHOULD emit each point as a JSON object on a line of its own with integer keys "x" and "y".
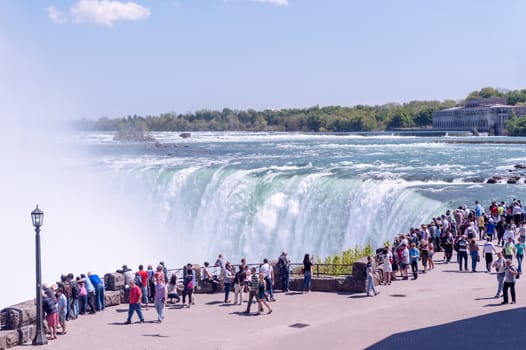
{"x": 483, "y": 114}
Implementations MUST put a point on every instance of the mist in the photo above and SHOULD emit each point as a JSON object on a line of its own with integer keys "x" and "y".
{"x": 87, "y": 226}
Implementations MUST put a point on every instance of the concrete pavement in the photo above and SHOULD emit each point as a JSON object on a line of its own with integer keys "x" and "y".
{"x": 442, "y": 308}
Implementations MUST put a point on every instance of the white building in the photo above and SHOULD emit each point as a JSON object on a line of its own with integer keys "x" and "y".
{"x": 483, "y": 114}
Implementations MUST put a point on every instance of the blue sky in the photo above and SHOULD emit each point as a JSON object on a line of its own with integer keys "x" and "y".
{"x": 71, "y": 59}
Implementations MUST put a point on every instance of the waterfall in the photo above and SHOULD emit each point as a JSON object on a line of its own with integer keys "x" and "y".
{"x": 257, "y": 213}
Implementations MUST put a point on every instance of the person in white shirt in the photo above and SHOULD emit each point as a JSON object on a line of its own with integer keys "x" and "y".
{"x": 489, "y": 249}
{"x": 268, "y": 273}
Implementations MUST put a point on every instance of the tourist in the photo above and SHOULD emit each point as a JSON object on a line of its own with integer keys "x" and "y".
{"x": 143, "y": 275}
{"x": 509, "y": 281}
{"x": 172, "y": 289}
{"x": 509, "y": 233}
{"x": 165, "y": 270}
{"x": 370, "y": 278}
{"x": 509, "y": 249}
{"x": 519, "y": 254}
{"x": 188, "y": 286}
{"x": 501, "y": 227}
{"x": 284, "y": 270}
{"x": 414, "y": 256}
{"x": 151, "y": 283}
{"x": 253, "y": 288}
{"x": 73, "y": 306}
{"x": 431, "y": 253}
{"x": 208, "y": 278}
{"x": 424, "y": 253}
{"x": 488, "y": 249}
{"x": 99, "y": 290}
{"x": 228, "y": 280}
{"x": 405, "y": 260}
{"x": 388, "y": 265}
{"x": 62, "y": 308}
{"x": 159, "y": 275}
{"x": 474, "y": 252}
{"x": 307, "y": 273}
{"x": 128, "y": 274}
{"x": 49, "y": 304}
{"x": 462, "y": 254}
{"x": 490, "y": 228}
{"x": 499, "y": 266}
{"x": 160, "y": 300}
{"x": 221, "y": 263}
{"x": 135, "y": 302}
{"x": 522, "y": 232}
{"x": 239, "y": 284}
{"x": 268, "y": 272}
{"x": 91, "y": 293}
{"x": 261, "y": 295}
{"x": 517, "y": 212}
{"x": 83, "y": 296}
{"x": 448, "y": 247}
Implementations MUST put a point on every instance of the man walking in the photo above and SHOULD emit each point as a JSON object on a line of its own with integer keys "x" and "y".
{"x": 135, "y": 303}
{"x": 253, "y": 288}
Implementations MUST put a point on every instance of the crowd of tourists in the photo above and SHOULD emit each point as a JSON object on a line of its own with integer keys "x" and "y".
{"x": 460, "y": 231}
{"x": 410, "y": 254}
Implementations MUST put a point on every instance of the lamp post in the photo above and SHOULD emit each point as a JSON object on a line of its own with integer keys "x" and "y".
{"x": 37, "y": 216}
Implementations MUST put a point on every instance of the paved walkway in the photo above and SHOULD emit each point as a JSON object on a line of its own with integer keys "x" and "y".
{"x": 443, "y": 308}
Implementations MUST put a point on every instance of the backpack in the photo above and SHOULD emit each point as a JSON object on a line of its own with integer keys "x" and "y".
{"x": 138, "y": 279}
{"x": 189, "y": 281}
{"x": 74, "y": 290}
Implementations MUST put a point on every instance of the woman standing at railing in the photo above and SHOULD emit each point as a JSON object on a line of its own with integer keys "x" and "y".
{"x": 307, "y": 273}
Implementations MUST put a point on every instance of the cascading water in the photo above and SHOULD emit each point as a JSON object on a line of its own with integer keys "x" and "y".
{"x": 258, "y": 213}
{"x": 241, "y": 194}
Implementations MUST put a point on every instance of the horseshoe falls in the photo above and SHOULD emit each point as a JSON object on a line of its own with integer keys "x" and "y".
{"x": 249, "y": 195}
{"x": 255, "y": 194}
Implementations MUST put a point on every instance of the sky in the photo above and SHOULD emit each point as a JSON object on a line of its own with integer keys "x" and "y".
{"x": 73, "y": 59}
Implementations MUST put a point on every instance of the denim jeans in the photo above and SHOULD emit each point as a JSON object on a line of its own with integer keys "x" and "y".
{"x": 135, "y": 308}
{"x": 370, "y": 285}
{"x": 270, "y": 289}
{"x": 227, "y": 290}
{"x": 500, "y": 280}
{"x": 159, "y": 307}
{"x": 306, "y": 281}
{"x": 99, "y": 296}
{"x": 519, "y": 262}
{"x": 511, "y": 287}
{"x": 474, "y": 256}
{"x": 284, "y": 279}
{"x": 462, "y": 256}
{"x": 83, "y": 304}
{"x": 144, "y": 291}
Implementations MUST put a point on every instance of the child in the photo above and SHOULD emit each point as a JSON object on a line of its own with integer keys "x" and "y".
{"x": 261, "y": 297}
{"x": 62, "y": 309}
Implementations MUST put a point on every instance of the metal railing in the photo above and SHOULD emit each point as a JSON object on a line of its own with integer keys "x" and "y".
{"x": 296, "y": 269}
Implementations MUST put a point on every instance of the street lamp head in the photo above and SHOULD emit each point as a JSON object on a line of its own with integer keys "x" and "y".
{"x": 37, "y": 216}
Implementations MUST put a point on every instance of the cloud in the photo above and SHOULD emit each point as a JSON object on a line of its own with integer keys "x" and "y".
{"x": 56, "y": 16}
{"x": 275, "y": 2}
{"x": 105, "y": 12}
{"x": 100, "y": 12}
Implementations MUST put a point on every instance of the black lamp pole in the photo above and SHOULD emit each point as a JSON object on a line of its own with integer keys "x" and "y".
{"x": 37, "y": 216}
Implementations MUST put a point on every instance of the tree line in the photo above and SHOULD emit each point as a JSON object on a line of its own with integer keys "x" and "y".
{"x": 392, "y": 116}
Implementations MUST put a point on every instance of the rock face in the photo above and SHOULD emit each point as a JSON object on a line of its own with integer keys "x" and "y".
{"x": 185, "y": 135}
{"x": 19, "y": 315}
{"x": 114, "y": 281}
{"x": 19, "y": 336}
{"x": 112, "y": 297}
